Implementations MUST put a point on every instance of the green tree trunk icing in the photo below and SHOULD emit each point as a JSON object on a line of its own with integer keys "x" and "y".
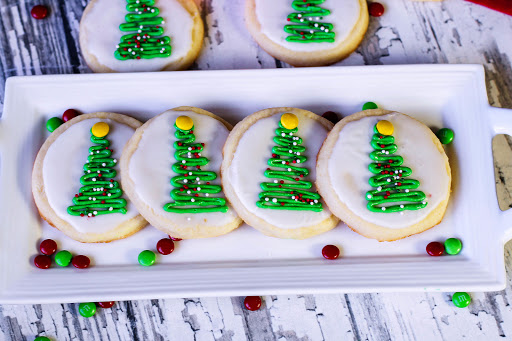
{"x": 145, "y": 39}
{"x": 306, "y": 27}
{"x": 394, "y": 192}
{"x": 192, "y": 188}
{"x": 289, "y": 190}
{"x": 100, "y": 192}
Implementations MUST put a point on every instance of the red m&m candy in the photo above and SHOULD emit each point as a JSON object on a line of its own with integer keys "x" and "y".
{"x": 252, "y": 303}
{"x": 69, "y": 114}
{"x": 331, "y": 116}
{"x": 376, "y": 9}
{"x": 435, "y": 249}
{"x": 106, "y": 305}
{"x": 42, "y": 262}
{"x": 165, "y": 246}
{"x": 39, "y": 12}
{"x": 330, "y": 252}
{"x": 81, "y": 262}
{"x": 48, "y": 247}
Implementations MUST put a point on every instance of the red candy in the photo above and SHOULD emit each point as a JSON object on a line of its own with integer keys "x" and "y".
{"x": 435, "y": 249}
{"x": 106, "y": 305}
{"x": 48, "y": 247}
{"x": 331, "y": 116}
{"x": 178, "y": 239}
{"x": 376, "y": 9}
{"x": 69, "y": 114}
{"x": 42, "y": 262}
{"x": 39, "y": 12}
{"x": 330, "y": 252}
{"x": 252, "y": 303}
{"x": 165, "y": 246}
{"x": 81, "y": 262}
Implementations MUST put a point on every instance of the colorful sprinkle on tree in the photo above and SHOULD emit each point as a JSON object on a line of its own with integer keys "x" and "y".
{"x": 145, "y": 39}
{"x": 306, "y": 26}
{"x": 394, "y": 192}
{"x": 193, "y": 189}
{"x": 289, "y": 189}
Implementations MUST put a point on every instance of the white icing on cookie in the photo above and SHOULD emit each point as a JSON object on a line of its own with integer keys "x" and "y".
{"x": 63, "y": 167}
{"x": 350, "y": 157}
{"x": 150, "y": 166}
{"x": 272, "y": 16}
{"x": 250, "y": 162}
{"x": 101, "y": 29}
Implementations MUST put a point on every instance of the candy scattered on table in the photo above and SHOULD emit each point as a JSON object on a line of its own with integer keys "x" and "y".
{"x": 445, "y": 135}
{"x": 252, "y": 303}
{"x": 503, "y": 6}
{"x": 435, "y": 249}
{"x": 461, "y": 299}
{"x": 81, "y": 262}
{"x": 69, "y": 114}
{"x": 39, "y": 12}
{"x": 42, "y": 262}
{"x": 48, "y": 247}
{"x": 87, "y": 309}
{"x": 53, "y": 123}
{"x": 370, "y": 105}
{"x": 331, "y": 116}
{"x": 376, "y": 9}
{"x": 106, "y": 305}
{"x": 42, "y": 338}
{"x": 63, "y": 258}
{"x": 330, "y": 252}
{"x": 147, "y": 258}
{"x": 165, "y": 246}
{"x": 452, "y": 246}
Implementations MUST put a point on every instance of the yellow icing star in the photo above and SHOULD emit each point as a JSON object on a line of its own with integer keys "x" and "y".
{"x": 100, "y": 129}
{"x": 385, "y": 127}
{"x": 184, "y": 123}
{"x": 289, "y": 121}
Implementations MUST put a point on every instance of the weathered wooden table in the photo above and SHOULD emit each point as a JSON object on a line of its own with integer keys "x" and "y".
{"x": 409, "y": 32}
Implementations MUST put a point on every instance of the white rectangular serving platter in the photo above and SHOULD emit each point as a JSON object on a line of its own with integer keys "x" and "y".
{"x": 246, "y": 262}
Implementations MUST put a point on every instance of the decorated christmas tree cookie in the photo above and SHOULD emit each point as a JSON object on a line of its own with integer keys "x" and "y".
{"x": 170, "y": 171}
{"x": 268, "y": 172}
{"x": 384, "y": 174}
{"x": 140, "y": 35}
{"x": 75, "y": 185}
{"x": 307, "y": 32}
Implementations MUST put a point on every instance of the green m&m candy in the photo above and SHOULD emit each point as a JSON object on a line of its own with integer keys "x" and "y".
{"x": 461, "y": 299}
{"x": 87, "y": 309}
{"x": 445, "y": 135}
{"x": 42, "y": 338}
{"x": 63, "y": 258}
{"x": 370, "y": 105}
{"x": 53, "y": 123}
{"x": 147, "y": 258}
{"x": 452, "y": 246}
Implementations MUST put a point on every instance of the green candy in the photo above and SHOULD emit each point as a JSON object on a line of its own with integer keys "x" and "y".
{"x": 42, "y": 338}
{"x": 87, "y": 309}
{"x": 452, "y": 246}
{"x": 53, "y": 123}
{"x": 461, "y": 299}
{"x": 63, "y": 258}
{"x": 370, "y": 105}
{"x": 147, "y": 258}
{"x": 445, "y": 135}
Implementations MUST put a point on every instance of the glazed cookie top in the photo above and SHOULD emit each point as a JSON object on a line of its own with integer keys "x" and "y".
{"x": 63, "y": 166}
{"x": 272, "y": 16}
{"x": 151, "y": 167}
{"x": 101, "y": 29}
{"x": 350, "y": 158}
{"x": 250, "y": 161}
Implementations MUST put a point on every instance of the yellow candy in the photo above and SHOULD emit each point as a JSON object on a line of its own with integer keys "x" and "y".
{"x": 184, "y": 123}
{"x": 385, "y": 127}
{"x": 100, "y": 129}
{"x": 289, "y": 121}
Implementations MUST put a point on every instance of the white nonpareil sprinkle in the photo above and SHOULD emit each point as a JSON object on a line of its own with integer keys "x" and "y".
{"x": 88, "y": 171}
{"x": 185, "y": 181}
{"x": 192, "y": 200}
{"x": 383, "y": 208}
{"x": 93, "y": 199}
{"x": 266, "y": 199}
{"x": 406, "y": 191}
{"x": 90, "y": 198}
{"x": 298, "y": 153}
{"x": 298, "y": 161}
{"x": 283, "y": 162}
{"x": 369, "y": 196}
{"x": 95, "y": 212}
{"x": 108, "y": 195}
{"x": 379, "y": 188}
{"x": 93, "y": 179}
{"x": 275, "y": 181}
{"x": 103, "y": 164}
{"x": 198, "y": 188}
{"x": 183, "y": 161}
{"x": 207, "y": 194}
{"x": 274, "y": 200}
{"x": 189, "y": 173}
{"x": 90, "y": 214}
{"x": 197, "y": 179}
{"x": 424, "y": 202}
{"x": 111, "y": 209}
{"x": 189, "y": 148}
{"x": 188, "y": 192}
{"x": 289, "y": 169}
{"x": 401, "y": 206}
{"x": 283, "y": 134}
{"x": 316, "y": 201}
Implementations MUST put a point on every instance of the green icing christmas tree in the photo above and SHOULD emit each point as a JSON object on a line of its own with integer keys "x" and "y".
{"x": 192, "y": 191}
{"x": 145, "y": 39}
{"x": 100, "y": 192}
{"x": 307, "y": 27}
{"x": 289, "y": 190}
{"x": 394, "y": 191}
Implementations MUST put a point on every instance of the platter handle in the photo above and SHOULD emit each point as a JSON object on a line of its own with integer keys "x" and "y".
{"x": 501, "y": 119}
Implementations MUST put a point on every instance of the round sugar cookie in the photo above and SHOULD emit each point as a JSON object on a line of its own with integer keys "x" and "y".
{"x": 307, "y": 33}
{"x": 140, "y": 35}
{"x": 268, "y": 172}
{"x": 384, "y": 174}
{"x": 171, "y": 172}
{"x": 78, "y": 192}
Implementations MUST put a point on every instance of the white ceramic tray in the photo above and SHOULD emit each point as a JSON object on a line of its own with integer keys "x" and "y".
{"x": 245, "y": 262}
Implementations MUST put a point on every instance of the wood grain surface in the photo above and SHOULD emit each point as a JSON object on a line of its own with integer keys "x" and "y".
{"x": 452, "y": 31}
